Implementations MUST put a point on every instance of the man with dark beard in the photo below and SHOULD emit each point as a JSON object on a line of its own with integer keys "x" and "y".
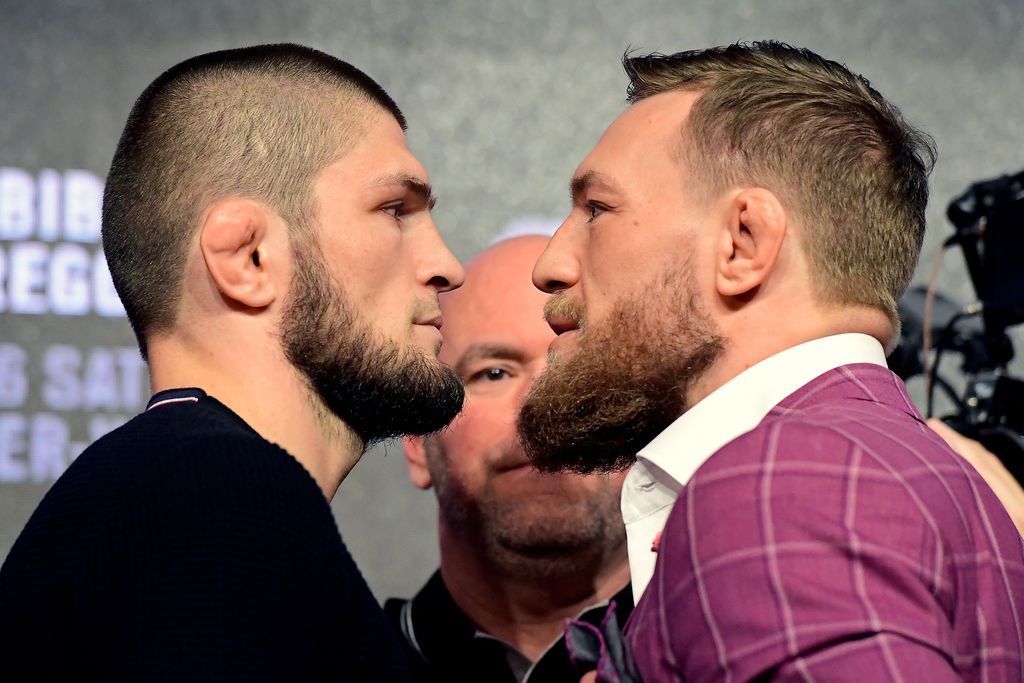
{"x": 521, "y": 551}
{"x": 196, "y": 542}
{"x": 724, "y": 288}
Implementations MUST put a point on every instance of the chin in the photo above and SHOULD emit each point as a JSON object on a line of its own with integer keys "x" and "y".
{"x": 563, "y": 345}
{"x": 427, "y": 342}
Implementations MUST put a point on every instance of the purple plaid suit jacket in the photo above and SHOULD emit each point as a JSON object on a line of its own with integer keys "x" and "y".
{"x": 840, "y": 540}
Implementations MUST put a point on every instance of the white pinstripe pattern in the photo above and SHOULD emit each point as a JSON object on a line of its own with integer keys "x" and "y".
{"x": 705, "y": 601}
{"x": 937, "y": 582}
{"x": 858, "y": 564}
{"x": 990, "y": 535}
{"x": 994, "y": 544}
{"x": 929, "y": 494}
{"x": 900, "y": 388}
{"x": 981, "y": 634}
{"x": 909, "y": 490}
{"x": 663, "y": 628}
{"x": 768, "y": 534}
{"x": 850, "y": 377}
{"x": 747, "y": 398}
{"x": 826, "y": 627}
{"x": 819, "y": 658}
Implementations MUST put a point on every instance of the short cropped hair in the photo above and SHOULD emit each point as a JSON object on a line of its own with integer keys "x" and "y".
{"x": 841, "y": 158}
{"x": 257, "y": 122}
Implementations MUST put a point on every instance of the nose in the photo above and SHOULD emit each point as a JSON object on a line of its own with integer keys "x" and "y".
{"x": 438, "y": 267}
{"x": 558, "y": 267}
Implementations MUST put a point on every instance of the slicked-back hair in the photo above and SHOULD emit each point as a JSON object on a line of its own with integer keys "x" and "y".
{"x": 257, "y": 122}
{"x": 841, "y": 158}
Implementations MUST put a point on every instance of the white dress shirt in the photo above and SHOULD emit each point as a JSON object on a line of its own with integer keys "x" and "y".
{"x": 666, "y": 464}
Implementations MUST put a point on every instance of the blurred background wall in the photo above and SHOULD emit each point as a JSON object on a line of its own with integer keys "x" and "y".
{"x": 503, "y": 100}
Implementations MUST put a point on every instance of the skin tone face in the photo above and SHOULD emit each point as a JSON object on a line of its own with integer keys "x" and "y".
{"x": 496, "y": 340}
{"x": 631, "y": 269}
{"x": 379, "y": 239}
{"x": 630, "y": 216}
{"x": 520, "y": 551}
{"x": 338, "y": 322}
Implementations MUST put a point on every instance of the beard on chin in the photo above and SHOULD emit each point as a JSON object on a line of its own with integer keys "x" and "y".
{"x": 527, "y": 536}
{"x": 623, "y": 384}
{"x": 377, "y": 388}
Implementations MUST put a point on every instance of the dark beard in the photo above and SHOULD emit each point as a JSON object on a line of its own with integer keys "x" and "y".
{"x": 377, "y": 388}
{"x": 623, "y": 384}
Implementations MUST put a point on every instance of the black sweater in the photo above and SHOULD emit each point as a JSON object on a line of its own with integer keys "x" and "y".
{"x": 184, "y": 546}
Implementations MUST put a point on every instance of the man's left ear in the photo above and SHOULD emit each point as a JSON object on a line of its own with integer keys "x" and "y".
{"x": 416, "y": 458}
{"x": 235, "y": 241}
{"x": 750, "y": 242}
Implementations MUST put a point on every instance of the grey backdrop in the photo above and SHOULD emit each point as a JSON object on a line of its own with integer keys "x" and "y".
{"x": 503, "y": 100}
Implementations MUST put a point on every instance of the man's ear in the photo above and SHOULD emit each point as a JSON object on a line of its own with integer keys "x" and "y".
{"x": 416, "y": 458}
{"x": 750, "y": 242}
{"x": 235, "y": 246}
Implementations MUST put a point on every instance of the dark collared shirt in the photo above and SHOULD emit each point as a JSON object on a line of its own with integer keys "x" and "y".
{"x": 183, "y": 546}
{"x": 444, "y": 645}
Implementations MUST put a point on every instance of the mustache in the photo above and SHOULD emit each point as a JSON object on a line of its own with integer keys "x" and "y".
{"x": 426, "y": 309}
{"x": 560, "y": 307}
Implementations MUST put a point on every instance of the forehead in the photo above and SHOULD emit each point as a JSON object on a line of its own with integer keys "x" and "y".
{"x": 498, "y": 302}
{"x": 648, "y": 132}
{"x": 380, "y": 155}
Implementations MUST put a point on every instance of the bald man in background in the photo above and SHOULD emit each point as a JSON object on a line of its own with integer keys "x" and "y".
{"x": 520, "y": 551}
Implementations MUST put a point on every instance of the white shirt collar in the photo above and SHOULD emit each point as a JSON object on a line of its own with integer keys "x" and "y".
{"x": 740, "y": 404}
{"x": 666, "y": 464}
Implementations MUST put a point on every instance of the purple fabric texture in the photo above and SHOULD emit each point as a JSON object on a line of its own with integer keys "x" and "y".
{"x": 603, "y": 649}
{"x": 840, "y": 540}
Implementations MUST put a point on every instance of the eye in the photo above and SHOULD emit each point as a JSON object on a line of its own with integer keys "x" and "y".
{"x": 595, "y": 209}
{"x": 395, "y": 209}
{"x": 489, "y": 375}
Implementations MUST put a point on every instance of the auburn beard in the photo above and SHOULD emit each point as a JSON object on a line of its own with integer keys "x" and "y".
{"x": 623, "y": 384}
{"x": 375, "y": 386}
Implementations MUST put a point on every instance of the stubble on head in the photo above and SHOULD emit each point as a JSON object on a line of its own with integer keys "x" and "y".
{"x": 625, "y": 381}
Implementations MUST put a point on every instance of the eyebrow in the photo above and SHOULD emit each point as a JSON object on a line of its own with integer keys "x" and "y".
{"x": 478, "y": 352}
{"x": 413, "y": 185}
{"x": 581, "y": 184}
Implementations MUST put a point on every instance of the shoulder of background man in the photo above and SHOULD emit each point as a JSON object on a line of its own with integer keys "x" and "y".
{"x": 438, "y": 638}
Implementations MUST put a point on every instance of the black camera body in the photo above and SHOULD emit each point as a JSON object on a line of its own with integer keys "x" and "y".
{"x": 989, "y": 223}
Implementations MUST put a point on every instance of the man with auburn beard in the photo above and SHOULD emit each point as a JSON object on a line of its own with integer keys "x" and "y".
{"x": 724, "y": 288}
{"x": 520, "y": 551}
{"x": 270, "y": 235}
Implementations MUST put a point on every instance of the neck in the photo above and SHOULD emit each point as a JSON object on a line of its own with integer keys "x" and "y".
{"x": 756, "y": 346}
{"x": 262, "y": 388}
{"x": 525, "y": 608}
